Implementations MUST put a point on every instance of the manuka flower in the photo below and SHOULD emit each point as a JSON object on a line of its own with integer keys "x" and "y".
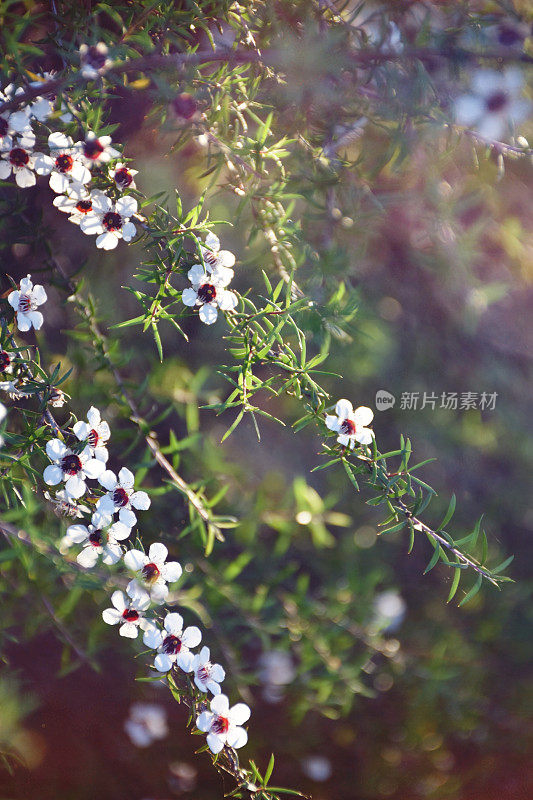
{"x": 350, "y": 424}
{"x": 111, "y": 221}
{"x": 207, "y": 676}
{"x": 128, "y": 612}
{"x": 153, "y": 570}
{"x": 494, "y": 104}
{"x": 57, "y": 398}
{"x": 121, "y": 496}
{"x": 208, "y": 291}
{"x": 99, "y": 539}
{"x": 25, "y": 301}
{"x": 216, "y": 259}
{"x": 96, "y": 150}
{"x": 14, "y": 121}
{"x": 95, "y": 432}
{"x": 6, "y": 362}
{"x": 94, "y": 60}
{"x": 17, "y": 157}
{"x": 73, "y": 468}
{"x": 223, "y": 724}
{"x": 173, "y": 643}
{"x": 78, "y": 201}
{"x": 63, "y": 164}
{"x": 123, "y": 176}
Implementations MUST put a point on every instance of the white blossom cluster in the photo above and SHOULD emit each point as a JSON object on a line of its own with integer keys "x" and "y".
{"x": 76, "y": 172}
{"x": 79, "y": 465}
{"x": 104, "y": 539}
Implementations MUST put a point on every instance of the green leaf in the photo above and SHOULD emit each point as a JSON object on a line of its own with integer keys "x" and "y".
{"x": 473, "y": 591}
{"x": 455, "y": 585}
{"x": 449, "y": 513}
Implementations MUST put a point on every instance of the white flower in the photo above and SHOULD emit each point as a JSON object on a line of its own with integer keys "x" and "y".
{"x": 10, "y": 126}
{"x": 65, "y": 506}
{"x": 63, "y": 164}
{"x": 208, "y": 291}
{"x": 494, "y": 104}
{"x": 94, "y": 61}
{"x": 99, "y": 539}
{"x": 128, "y": 612}
{"x": 77, "y": 202}
{"x": 147, "y": 722}
{"x": 173, "y": 643}
{"x": 17, "y": 157}
{"x": 207, "y": 676}
{"x": 96, "y": 150}
{"x": 57, "y": 398}
{"x": 43, "y": 106}
{"x": 123, "y": 176}
{"x": 6, "y": 362}
{"x": 153, "y": 570}
{"x": 73, "y": 468}
{"x": 95, "y": 432}
{"x": 350, "y": 424}
{"x": 110, "y": 220}
{"x": 215, "y": 258}
{"x": 25, "y": 302}
{"x": 121, "y": 496}
{"x": 222, "y": 724}
{"x": 17, "y": 121}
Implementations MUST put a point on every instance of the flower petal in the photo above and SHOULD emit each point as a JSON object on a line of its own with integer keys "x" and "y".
{"x": 239, "y": 714}
{"x": 52, "y": 475}
{"x": 343, "y": 409}
{"x": 189, "y": 297}
{"x": 157, "y": 552}
{"x": 140, "y": 500}
{"x": 236, "y": 737}
{"x": 126, "y": 478}
{"x": 172, "y": 571}
{"x": 208, "y": 314}
{"x": 135, "y": 560}
{"x": 363, "y": 416}
{"x": 163, "y": 662}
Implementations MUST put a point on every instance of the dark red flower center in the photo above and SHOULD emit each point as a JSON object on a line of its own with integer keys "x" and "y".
{"x": 92, "y": 148}
{"x": 203, "y": 673}
{"x": 96, "y": 57}
{"x": 120, "y": 497}
{"x": 220, "y": 725}
{"x": 84, "y": 206}
{"x": 4, "y": 126}
{"x": 347, "y": 427}
{"x": 64, "y": 163}
{"x": 496, "y": 101}
{"x": 171, "y": 645}
{"x": 96, "y": 538}
{"x": 92, "y": 439}
{"x": 130, "y": 615}
{"x": 150, "y": 572}
{"x": 5, "y": 360}
{"x": 71, "y": 464}
{"x": 210, "y": 257}
{"x": 19, "y": 157}
{"x": 24, "y": 303}
{"x": 123, "y": 177}
{"x": 207, "y": 293}
{"x": 112, "y": 221}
